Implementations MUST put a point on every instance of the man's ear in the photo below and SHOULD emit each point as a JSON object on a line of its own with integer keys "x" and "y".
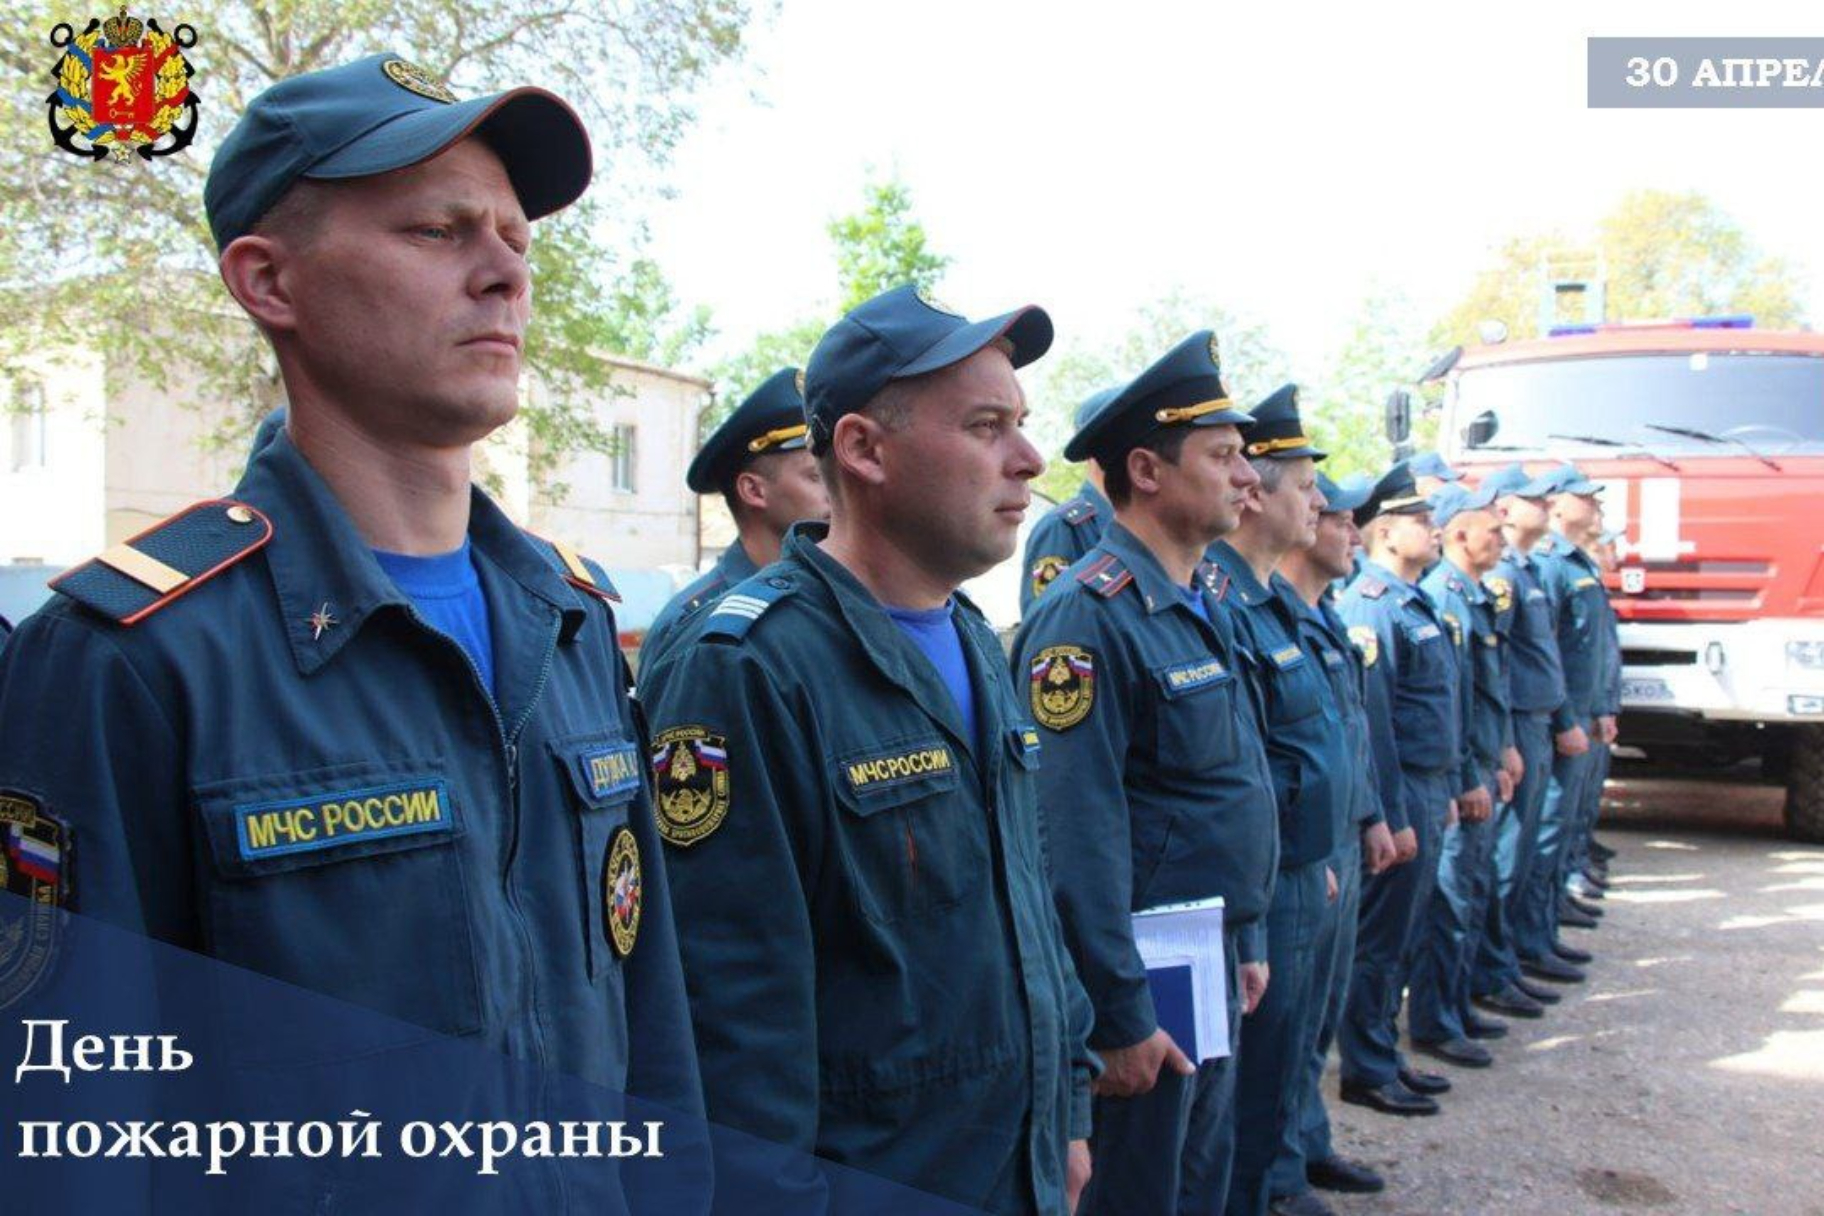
{"x": 856, "y": 444}
{"x": 253, "y": 270}
{"x": 750, "y": 490}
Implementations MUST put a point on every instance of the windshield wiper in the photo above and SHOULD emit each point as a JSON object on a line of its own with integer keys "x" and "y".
{"x": 1633, "y": 449}
{"x": 1691, "y": 432}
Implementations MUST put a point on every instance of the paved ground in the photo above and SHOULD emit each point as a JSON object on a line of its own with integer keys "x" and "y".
{"x": 1686, "y": 1076}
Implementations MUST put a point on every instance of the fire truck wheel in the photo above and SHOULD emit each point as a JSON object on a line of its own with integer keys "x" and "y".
{"x": 1805, "y": 786}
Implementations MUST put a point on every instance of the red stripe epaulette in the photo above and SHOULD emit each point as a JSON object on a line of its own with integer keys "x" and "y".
{"x": 1105, "y": 576}
{"x": 173, "y": 557}
{"x": 578, "y": 570}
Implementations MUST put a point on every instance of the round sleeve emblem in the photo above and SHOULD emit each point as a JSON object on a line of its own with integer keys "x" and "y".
{"x": 690, "y": 777}
{"x": 1045, "y": 570}
{"x": 621, "y": 892}
{"x": 36, "y": 865}
{"x": 1063, "y": 682}
{"x": 1503, "y": 592}
{"x": 1366, "y": 641}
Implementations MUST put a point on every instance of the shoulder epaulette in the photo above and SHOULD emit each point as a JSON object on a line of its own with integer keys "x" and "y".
{"x": 1372, "y": 588}
{"x": 1079, "y": 511}
{"x": 735, "y": 613}
{"x": 1216, "y": 579}
{"x": 711, "y": 584}
{"x": 1105, "y": 576}
{"x": 578, "y": 571}
{"x": 137, "y": 577}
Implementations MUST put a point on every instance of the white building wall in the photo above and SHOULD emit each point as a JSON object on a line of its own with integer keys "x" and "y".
{"x": 55, "y": 513}
{"x": 156, "y": 464}
{"x": 655, "y": 523}
{"x": 122, "y": 454}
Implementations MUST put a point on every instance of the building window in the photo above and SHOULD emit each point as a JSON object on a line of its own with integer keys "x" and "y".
{"x": 27, "y": 424}
{"x": 622, "y": 460}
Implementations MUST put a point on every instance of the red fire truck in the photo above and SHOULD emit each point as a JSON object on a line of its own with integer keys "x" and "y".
{"x": 1708, "y": 436}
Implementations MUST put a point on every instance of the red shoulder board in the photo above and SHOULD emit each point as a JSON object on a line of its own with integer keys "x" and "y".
{"x": 580, "y": 572}
{"x": 1373, "y": 588}
{"x": 1105, "y": 576}
{"x": 142, "y": 574}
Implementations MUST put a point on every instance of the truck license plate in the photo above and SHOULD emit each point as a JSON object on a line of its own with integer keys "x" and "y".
{"x": 1645, "y": 688}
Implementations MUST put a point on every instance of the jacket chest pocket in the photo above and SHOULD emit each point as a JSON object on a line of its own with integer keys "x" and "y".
{"x": 913, "y": 838}
{"x": 1430, "y": 666}
{"x": 1293, "y": 692}
{"x": 1538, "y": 613}
{"x": 603, "y": 775}
{"x": 347, "y": 880}
{"x": 1195, "y": 701}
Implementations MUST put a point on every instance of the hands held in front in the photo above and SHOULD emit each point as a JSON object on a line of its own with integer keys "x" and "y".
{"x": 1128, "y": 1072}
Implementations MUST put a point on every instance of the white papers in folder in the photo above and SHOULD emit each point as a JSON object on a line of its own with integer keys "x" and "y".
{"x": 1181, "y": 946}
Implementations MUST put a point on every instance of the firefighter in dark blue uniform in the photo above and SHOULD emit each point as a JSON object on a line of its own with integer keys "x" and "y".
{"x": 338, "y": 695}
{"x": 757, "y": 461}
{"x": 1535, "y": 678}
{"x": 1573, "y": 586}
{"x": 1417, "y": 737}
{"x": 1307, "y": 1157}
{"x": 1441, "y": 1021}
{"x": 1586, "y": 871}
{"x": 1068, "y": 531}
{"x": 1155, "y": 785}
{"x": 1309, "y": 759}
{"x": 846, "y": 786}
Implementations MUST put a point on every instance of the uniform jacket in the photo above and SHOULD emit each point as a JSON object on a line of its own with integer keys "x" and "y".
{"x": 1412, "y": 683}
{"x": 1580, "y": 615}
{"x": 1308, "y": 756}
{"x": 1525, "y": 620}
{"x": 732, "y": 567}
{"x": 1062, "y": 536}
{"x": 1155, "y": 788}
{"x": 876, "y": 970}
{"x": 340, "y": 803}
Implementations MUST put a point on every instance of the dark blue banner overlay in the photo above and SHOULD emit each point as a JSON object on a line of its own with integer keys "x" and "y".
{"x": 135, "y": 1077}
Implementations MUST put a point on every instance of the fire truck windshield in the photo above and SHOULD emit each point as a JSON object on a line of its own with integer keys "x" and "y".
{"x": 1766, "y": 403}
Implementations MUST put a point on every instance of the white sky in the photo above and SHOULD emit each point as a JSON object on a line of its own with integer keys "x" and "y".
{"x": 1280, "y": 158}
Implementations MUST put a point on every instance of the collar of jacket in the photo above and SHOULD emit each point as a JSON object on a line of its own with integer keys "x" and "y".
{"x": 1157, "y": 590}
{"x": 885, "y": 644}
{"x": 317, "y": 557}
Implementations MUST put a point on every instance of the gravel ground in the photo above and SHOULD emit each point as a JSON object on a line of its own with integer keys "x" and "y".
{"x": 1687, "y": 1075}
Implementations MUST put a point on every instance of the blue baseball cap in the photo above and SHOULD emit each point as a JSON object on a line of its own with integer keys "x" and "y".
{"x": 1567, "y": 478}
{"x": 379, "y": 114}
{"x": 1514, "y": 482}
{"x": 1448, "y": 502}
{"x": 897, "y": 335}
{"x": 1344, "y": 496}
{"x": 771, "y": 419}
{"x": 1184, "y": 388}
{"x": 1430, "y": 464}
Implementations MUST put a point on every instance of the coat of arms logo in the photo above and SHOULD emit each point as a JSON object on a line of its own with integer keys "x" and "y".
{"x": 123, "y": 86}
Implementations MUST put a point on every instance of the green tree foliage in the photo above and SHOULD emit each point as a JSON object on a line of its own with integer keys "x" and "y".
{"x": 1657, "y": 253}
{"x": 121, "y": 253}
{"x": 1387, "y": 348}
{"x": 883, "y": 246}
{"x": 880, "y": 245}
